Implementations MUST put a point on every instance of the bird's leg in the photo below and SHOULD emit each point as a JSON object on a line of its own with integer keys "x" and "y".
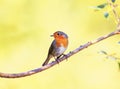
{"x": 65, "y": 56}
{"x": 57, "y": 59}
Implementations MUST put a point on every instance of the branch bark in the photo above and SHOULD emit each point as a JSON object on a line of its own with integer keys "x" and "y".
{"x": 80, "y": 48}
{"x": 114, "y": 11}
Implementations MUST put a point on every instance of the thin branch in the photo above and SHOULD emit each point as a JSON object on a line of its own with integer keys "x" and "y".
{"x": 114, "y": 12}
{"x": 34, "y": 71}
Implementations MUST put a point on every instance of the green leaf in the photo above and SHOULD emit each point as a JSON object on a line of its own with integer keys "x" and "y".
{"x": 99, "y": 7}
{"x": 119, "y": 42}
{"x": 119, "y": 65}
{"x": 106, "y": 14}
{"x": 113, "y": 1}
{"x": 103, "y": 52}
{"x": 102, "y": 5}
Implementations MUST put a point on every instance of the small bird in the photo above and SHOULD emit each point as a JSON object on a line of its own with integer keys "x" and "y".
{"x": 58, "y": 46}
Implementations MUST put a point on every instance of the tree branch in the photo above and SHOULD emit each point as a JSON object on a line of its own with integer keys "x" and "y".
{"x": 34, "y": 71}
{"x": 114, "y": 12}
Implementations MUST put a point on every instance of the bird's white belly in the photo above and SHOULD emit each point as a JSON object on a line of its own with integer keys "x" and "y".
{"x": 60, "y": 51}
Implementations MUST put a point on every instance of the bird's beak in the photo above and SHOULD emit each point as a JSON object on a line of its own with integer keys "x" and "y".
{"x": 51, "y": 35}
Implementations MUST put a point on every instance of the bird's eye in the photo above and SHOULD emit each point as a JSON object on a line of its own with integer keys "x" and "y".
{"x": 58, "y": 34}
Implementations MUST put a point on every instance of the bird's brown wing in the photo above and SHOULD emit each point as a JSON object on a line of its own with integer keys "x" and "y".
{"x": 50, "y": 53}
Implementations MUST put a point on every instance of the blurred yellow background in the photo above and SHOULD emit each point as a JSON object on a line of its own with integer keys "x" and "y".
{"x": 25, "y": 29}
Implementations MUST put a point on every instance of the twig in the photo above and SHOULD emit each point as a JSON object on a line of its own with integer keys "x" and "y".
{"x": 34, "y": 71}
{"x": 114, "y": 12}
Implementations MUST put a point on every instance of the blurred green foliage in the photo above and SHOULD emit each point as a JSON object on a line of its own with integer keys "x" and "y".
{"x": 113, "y": 1}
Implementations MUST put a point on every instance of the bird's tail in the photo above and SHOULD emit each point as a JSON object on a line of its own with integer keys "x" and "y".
{"x": 47, "y": 60}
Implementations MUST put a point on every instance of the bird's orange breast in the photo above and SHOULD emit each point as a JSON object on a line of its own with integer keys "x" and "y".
{"x": 60, "y": 41}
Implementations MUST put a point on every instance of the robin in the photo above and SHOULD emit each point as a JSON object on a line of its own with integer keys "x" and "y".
{"x": 58, "y": 46}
